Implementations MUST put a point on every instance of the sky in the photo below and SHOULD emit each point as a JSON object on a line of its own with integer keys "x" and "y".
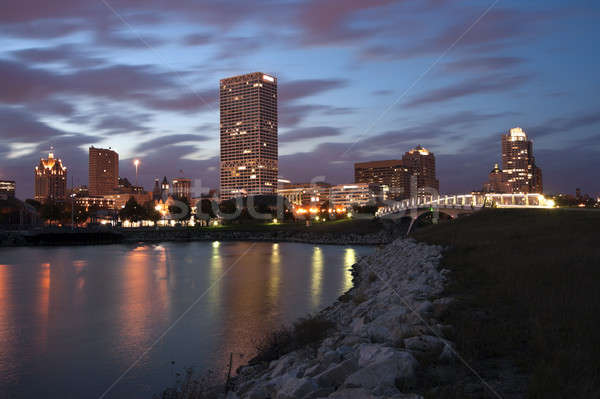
{"x": 358, "y": 81}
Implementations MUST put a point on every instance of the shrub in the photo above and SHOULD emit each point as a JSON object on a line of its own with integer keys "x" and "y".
{"x": 307, "y": 331}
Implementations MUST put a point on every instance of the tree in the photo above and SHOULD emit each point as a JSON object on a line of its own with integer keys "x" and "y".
{"x": 52, "y": 211}
{"x": 151, "y": 212}
{"x": 80, "y": 214}
{"x": 132, "y": 211}
{"x": 205, "y": 209}
{"x": 181, "y": 209}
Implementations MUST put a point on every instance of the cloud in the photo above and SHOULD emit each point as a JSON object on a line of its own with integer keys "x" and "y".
{"x": 565, "y": 124}
{"x": 297, "y": 89}
{"x": 116, "y": 124}
{"x": 18, "y": 125}
{"x": 170, "y": 140}
{"x": 308, "y": 133}
{"x": 68, "y": 54}
{"x": 196, "y": 39}
{"x": 484, "y": 64}
{"x": 480, "y": 85}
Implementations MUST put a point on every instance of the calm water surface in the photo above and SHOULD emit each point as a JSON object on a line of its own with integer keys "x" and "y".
{"x": 73, "y": 319}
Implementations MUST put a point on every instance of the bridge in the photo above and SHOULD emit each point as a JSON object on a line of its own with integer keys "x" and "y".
{"x": 455, "y": 205}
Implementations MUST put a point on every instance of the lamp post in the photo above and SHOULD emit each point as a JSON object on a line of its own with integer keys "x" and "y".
{"x": 137, "y": 164}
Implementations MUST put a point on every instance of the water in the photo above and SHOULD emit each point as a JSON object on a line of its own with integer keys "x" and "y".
{"x": 74, "y": 319}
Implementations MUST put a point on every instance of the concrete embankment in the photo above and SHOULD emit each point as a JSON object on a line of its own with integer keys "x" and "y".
{"x": 112, "y": 236}
{"x": 386, "y": 343}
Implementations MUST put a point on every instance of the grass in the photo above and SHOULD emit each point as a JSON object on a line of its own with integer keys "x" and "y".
{"x": 308, "y": 331}
{"x": 527, "y": 284}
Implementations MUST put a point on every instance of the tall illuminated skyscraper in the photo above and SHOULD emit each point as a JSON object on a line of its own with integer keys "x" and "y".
{"x": 103, "y": 171}
{"x": 422, "y": 164}
{"x": 518, "y": 163}
{"x": 249, "y": 155}
{"x": 50, "y": 180}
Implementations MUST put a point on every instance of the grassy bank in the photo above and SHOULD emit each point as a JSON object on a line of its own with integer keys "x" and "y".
{"x": 527, "y": 283}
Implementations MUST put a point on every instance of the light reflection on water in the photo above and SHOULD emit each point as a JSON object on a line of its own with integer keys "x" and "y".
{"x": 72, "y": 319}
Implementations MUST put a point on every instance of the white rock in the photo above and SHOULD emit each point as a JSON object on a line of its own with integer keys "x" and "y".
{"x": 394, "y": 366}
{"x": 352, "y": 393}
{"x": 336, "y": 374}
{"x": 296, "y": 388}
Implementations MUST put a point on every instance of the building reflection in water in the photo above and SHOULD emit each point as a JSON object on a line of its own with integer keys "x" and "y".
{"x": 349, "y": 260}
{"x": 145, "y": 301}
{"x": 8, "y": 328}
{"x": 274, "y": 273}
{"x": 43, "y": 305}
{"x": 216, "y": 269}
{"x": 316, "y": 276}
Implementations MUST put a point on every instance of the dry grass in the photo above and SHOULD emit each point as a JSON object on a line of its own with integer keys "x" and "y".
{"x": 307, "y": 331}
{"x": 528, "y": 284}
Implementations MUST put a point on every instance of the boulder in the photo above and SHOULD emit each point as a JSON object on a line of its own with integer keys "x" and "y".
{"x": 293, "y": 388}
{"x": 425, "y": 345}
{"x": 336, "y": 374}
{"x": 352, "y": 393}
{"x": 388, "y": 369}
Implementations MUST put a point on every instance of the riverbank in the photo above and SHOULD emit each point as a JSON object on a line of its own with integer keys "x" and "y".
{"x": 385, "y": 341}
{"x": 345, "y": 232}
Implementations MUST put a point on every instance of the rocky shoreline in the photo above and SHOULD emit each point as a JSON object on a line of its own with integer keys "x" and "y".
{"x": 386, "y": 343}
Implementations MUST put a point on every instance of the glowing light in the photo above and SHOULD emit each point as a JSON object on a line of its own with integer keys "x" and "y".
{"x": 349, "y": 214}
{"x": 215, "y": 223}
{"x": 268, "y": 78}
{"x": 216, "y": 244}
{"x": 275, "y": 220}
{"x": 550, "y": 203}
{"x": 136, "y": 162}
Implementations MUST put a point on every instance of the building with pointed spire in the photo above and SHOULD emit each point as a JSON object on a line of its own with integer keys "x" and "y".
{"x": 50, "y": 179}
{"x": 164, "y": 188}
{"x": 496, "y": 182}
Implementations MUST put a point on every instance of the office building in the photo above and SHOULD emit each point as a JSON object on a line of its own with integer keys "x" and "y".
{"x": 7, "y": 188}
{"x": 248, "y": 130}
{"x": 349, "y": 195}
{"x": 94, "y": 203}
{"x": 312, "y": 194}
{"x": 182, "y": 188}
{"x": 421, "y": 163}
{"x": 50, "y": 180}
{"x": 391, "y": 173}
{"x": 103, "y": 171}
{"x": 518, "y": 163}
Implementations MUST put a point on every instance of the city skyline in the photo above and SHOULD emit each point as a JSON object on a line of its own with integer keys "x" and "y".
{"x": 85, "y": 78}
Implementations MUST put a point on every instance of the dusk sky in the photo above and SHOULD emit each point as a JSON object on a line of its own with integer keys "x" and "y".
{"x": 358, "y": 81}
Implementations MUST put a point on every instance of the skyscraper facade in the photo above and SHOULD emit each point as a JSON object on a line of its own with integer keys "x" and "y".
{"x": 518, "y": 163}
{"x": 391, "y": 173}
{"x": 421, "y": 162}
{"x": 249, "y": 154}
{"x": 103, "y": 170}
{"x": 50, "y": 180}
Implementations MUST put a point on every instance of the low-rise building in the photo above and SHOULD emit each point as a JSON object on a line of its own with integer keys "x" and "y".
{"x": 7, "y": 188}
{"x": 349, "y": 195}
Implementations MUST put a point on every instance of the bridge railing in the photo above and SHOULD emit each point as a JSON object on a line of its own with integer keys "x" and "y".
{"x": 469, "y": 201}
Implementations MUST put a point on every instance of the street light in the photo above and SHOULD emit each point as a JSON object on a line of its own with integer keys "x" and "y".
{"x": 137, "y": 164}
